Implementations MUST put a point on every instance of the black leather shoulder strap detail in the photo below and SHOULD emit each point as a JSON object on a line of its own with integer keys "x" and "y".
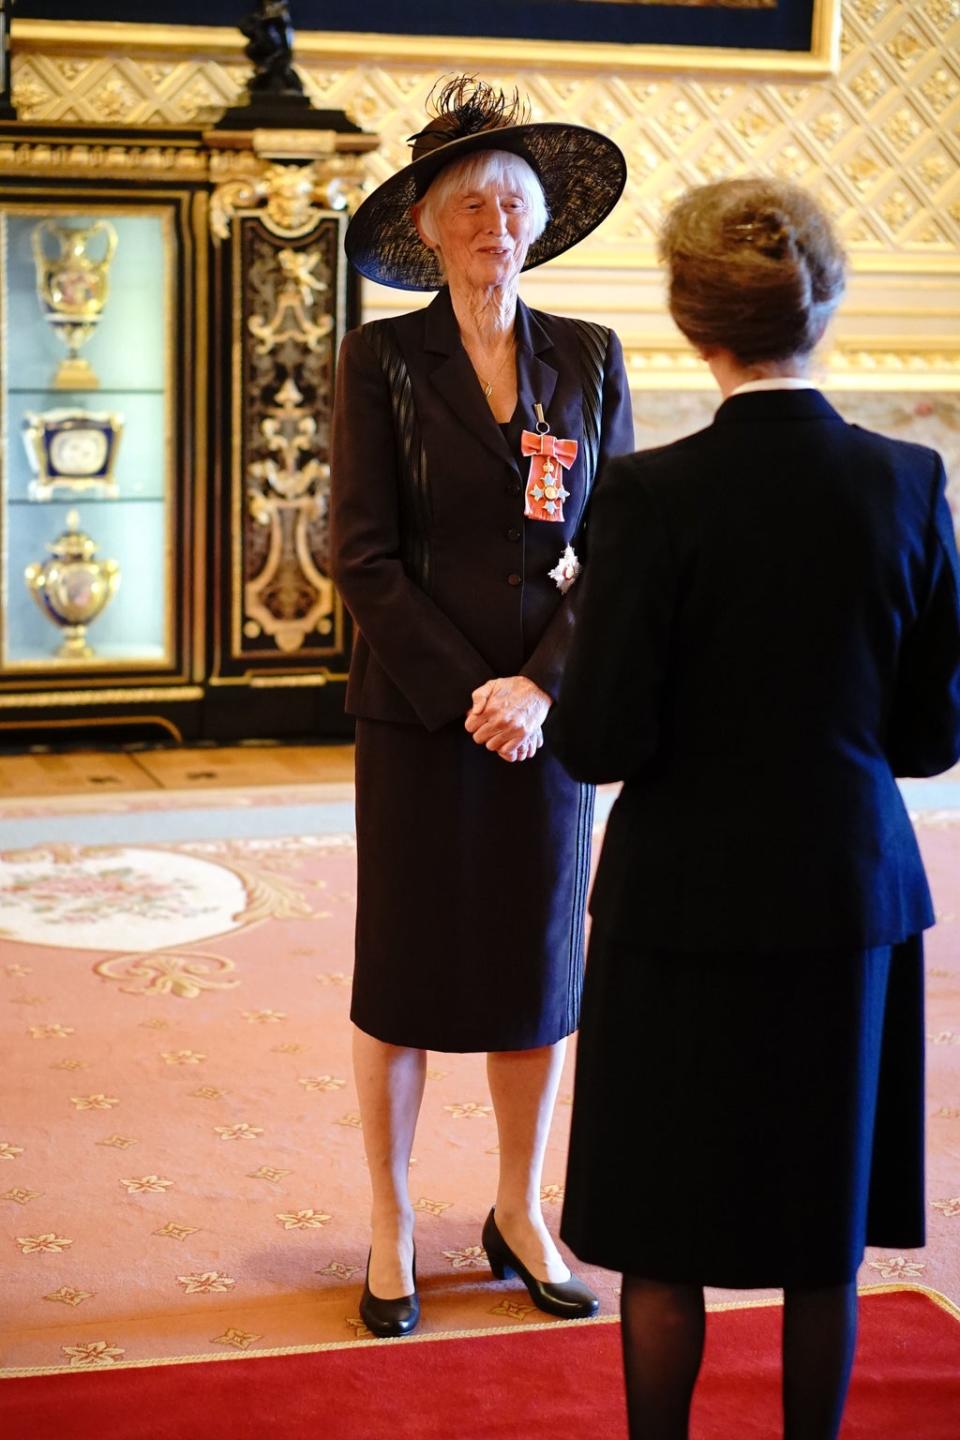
{"x": 594, "y": 340}
{"x": 413, "y": 476}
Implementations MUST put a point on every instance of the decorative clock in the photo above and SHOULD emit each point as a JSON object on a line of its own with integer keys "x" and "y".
{"x": 72, "y": 450}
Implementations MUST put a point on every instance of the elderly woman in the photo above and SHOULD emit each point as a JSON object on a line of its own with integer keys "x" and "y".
{"x": 768, "y": 632}
{"x": 466, "y": 439}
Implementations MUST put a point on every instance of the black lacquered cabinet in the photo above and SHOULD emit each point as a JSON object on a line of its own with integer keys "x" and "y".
{"x": 171, "y": 303}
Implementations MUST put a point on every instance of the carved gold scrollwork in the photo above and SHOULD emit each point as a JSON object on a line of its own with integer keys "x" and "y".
{"x": 290, "y": 320}
{"x": 291, "y": 195}
{"x": 290, "y": 434}
{"x": 229, "y": 197}
{"x": 286, "y": 597}
{"x": 289, "y": 597}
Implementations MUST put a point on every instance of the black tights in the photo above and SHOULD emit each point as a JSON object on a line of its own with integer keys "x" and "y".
{"x": 663, "y": 1330}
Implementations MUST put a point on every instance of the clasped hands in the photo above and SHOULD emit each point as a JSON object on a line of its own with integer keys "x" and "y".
{"x": 507, "y": 715}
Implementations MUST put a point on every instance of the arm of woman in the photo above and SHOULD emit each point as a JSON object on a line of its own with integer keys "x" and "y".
{"x": 425, "y": 655}
{"x": 924, "y": 736}
{"x": 546, "y": 663}
{"x": 606, "y": 724}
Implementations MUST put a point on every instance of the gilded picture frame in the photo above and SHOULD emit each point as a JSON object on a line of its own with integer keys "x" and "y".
{"x": 777, "y": 38}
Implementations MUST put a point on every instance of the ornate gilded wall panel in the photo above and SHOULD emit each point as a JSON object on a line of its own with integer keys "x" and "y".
{"x": 283, "y": 302}
{"x": 291, "y": 312}
{"x": 880, "y": 141}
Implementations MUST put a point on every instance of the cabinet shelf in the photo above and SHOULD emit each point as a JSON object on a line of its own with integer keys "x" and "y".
{"x": 85, "y": 394}
{"x": 85, "y": 500}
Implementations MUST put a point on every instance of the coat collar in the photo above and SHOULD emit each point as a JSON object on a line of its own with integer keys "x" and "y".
{"x": 777, "y": 405}
{"x": 456, "y": 381}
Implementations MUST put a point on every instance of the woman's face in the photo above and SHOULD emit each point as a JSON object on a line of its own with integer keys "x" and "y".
{"x": 482, "y": 235}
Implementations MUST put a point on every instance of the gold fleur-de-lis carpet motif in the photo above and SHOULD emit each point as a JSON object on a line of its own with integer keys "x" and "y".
{"x": 181, "y": 1159}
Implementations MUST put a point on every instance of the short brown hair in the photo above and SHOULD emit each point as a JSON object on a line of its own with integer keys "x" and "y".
{"x": 755, "y": 268}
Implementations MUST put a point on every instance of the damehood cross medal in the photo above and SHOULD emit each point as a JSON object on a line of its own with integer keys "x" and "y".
{"x": 549, "y": 457}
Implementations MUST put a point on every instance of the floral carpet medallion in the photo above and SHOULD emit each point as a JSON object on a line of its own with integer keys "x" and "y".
{"x": 116, "y": 897}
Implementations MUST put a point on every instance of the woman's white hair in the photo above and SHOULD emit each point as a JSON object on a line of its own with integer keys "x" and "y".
{"x": 476, "y": 171}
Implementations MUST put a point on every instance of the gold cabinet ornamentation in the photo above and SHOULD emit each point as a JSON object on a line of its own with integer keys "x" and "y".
{"x": 278, "y": 226}
{"x": 185, "y": 292}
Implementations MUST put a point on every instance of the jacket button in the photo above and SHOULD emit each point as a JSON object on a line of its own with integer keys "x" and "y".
{"x": 514, "y": 488}
{"x": 513, "y": 534}
{"x": 514, "y": 579}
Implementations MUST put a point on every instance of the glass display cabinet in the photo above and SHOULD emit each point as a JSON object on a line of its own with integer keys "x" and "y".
{"x": 90, "y": 410}
{"x": 171, "y": 304}
{"x": 102, "y": 461}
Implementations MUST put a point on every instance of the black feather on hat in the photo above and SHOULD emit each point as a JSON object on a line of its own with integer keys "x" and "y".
{"x": 582, "y": 173}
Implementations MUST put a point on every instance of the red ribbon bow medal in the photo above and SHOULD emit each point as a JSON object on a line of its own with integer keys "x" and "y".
{"x": 549, "y": 457}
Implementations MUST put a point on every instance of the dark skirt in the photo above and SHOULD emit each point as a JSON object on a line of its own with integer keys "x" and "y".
{"x": 747, "y": 1120}
{"x": 472, "y": 881}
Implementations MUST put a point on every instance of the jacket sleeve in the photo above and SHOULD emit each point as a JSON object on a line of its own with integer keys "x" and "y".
{"x": 545, "y": 666}
{"x": 425, "y": 655}
{"x": 924, "y": 735}
{"x": 607, "y": 724}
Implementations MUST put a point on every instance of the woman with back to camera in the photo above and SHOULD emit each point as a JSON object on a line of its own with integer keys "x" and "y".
{"x": 769, "y": 632}
{"x": 466, "y": 438}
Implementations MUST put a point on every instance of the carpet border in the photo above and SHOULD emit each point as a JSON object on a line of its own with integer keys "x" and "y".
{"x": 943, "y": 1302}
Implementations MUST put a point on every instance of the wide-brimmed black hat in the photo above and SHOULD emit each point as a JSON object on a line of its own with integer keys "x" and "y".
{"x": 582, "y": 173}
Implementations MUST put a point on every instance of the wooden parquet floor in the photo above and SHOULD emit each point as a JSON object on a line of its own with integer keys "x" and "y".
{"x": 197, "y": 768}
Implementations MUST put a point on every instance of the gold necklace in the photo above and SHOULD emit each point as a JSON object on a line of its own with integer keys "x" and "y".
{"x": 487, "y": 385}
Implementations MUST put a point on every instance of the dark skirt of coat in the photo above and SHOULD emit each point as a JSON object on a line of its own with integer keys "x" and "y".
{"x": 747, "y": 1120}
{"x": 472, "y": 882}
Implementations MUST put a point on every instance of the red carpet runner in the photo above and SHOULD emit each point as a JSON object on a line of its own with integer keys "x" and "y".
{"x": 561, "y": 1382}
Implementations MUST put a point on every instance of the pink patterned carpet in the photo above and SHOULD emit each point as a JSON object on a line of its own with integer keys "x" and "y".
{"x": 181, "y": 1165}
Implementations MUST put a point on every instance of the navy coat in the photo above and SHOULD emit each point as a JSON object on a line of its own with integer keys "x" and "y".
{"x": 769, "y": 631}
{"x": 447, "y": 583}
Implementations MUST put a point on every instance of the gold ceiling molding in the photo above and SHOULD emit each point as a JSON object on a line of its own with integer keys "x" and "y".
{"x": 933, "y": 361}
{"x": 343, "y": 47}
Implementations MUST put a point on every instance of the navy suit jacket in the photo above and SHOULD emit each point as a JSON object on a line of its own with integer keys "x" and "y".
{"x": 445, "y": 579}
{"x": 769, "y": 631}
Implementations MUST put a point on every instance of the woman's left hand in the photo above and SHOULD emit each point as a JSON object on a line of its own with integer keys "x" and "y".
{"x": 507, "y": 716}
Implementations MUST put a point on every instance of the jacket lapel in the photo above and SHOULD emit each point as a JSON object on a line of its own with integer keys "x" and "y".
{"x": 536, "y": 379}
{"x": 453, "y": 376}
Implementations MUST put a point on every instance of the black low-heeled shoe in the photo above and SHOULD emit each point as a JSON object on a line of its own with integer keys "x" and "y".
{"x": 390, "y": 1317}
{"x": 570, "y": 1299}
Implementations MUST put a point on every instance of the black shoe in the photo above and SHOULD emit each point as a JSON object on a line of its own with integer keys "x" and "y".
{"x": 390, "y": 1317}
{"x": 570, "y": 1299}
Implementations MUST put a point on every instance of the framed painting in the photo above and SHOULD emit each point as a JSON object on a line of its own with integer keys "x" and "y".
{"x": 771, "y": 37}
